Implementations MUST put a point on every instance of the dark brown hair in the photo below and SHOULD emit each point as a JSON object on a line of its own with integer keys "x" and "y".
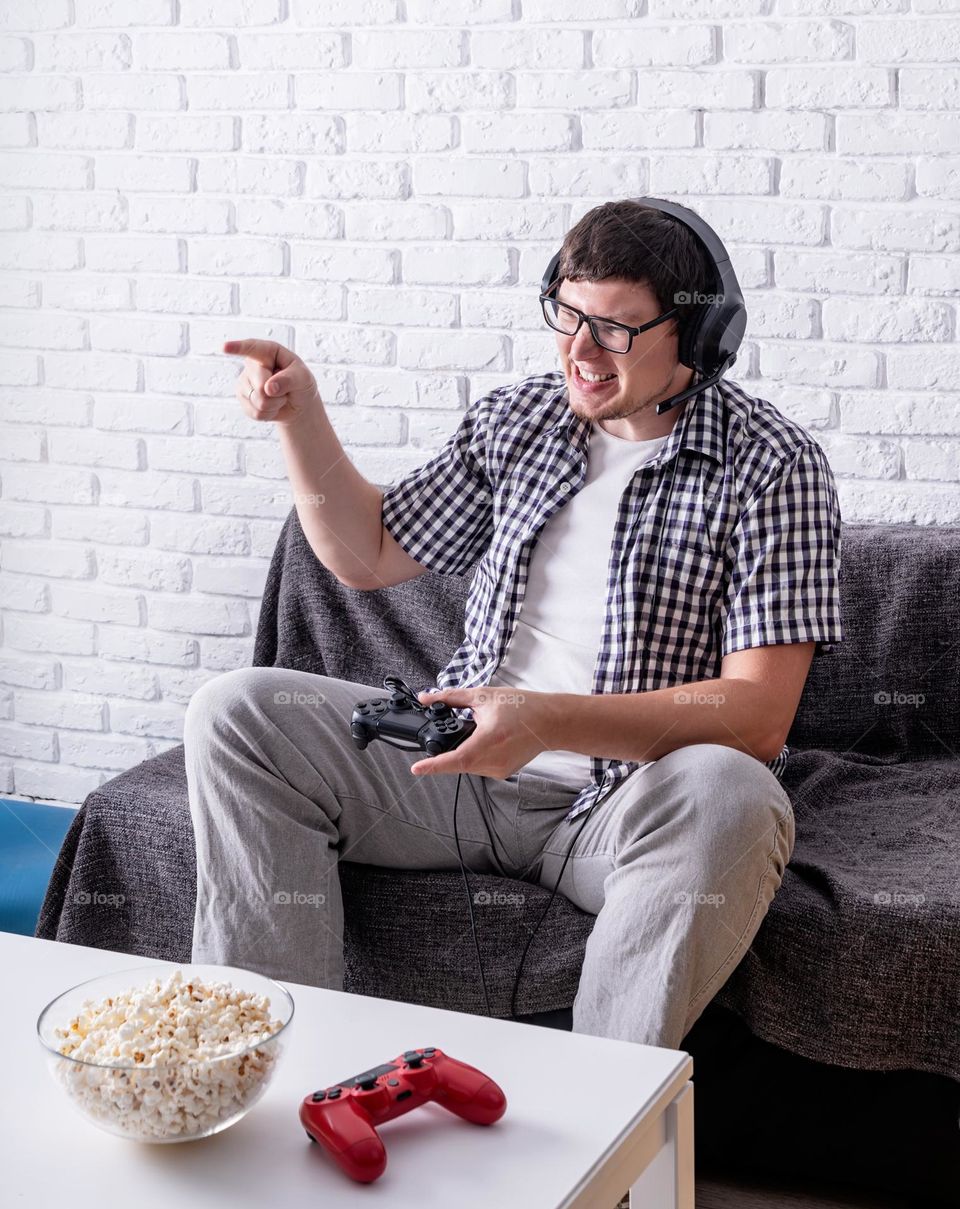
{"x": 630, "y": 240}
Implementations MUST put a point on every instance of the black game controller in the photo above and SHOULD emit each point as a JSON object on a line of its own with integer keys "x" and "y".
{"x": 431, "y": 728}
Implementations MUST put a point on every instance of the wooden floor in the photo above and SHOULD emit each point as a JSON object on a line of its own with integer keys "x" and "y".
{"x": 717, "y": 1193}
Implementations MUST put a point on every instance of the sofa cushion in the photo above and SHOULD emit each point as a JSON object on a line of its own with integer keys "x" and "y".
{"x": 857, "y": 962}
{"x": 891, "y": 688}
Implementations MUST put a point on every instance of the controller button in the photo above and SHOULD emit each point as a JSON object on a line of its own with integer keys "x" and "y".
{"x": 416, "y": 1062}
{"x": 367, "y": 1084}
{"x": 335, "y": 1094}
{"x": 393, "y": 1082}
{"x": 410, "y": 1053}
{"x": 318, "y": 1096}
{"x": 428, "y": 1053}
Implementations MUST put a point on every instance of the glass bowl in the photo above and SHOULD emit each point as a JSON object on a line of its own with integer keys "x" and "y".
{"x": 177, "y": 1100}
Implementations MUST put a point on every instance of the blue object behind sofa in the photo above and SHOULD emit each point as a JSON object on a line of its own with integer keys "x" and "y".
{"x": 30, "y": 837}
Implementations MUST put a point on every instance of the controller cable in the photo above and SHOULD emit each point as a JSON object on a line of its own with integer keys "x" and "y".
{"x": 553, "y": 894}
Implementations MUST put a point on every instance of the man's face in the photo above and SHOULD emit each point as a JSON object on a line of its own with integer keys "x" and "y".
{"x": 648, "y": 373}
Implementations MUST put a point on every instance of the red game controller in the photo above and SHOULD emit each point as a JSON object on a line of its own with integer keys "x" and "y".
{"x": 342, "y": 1118}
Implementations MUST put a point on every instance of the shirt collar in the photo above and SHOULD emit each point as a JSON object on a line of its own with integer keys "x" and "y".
{"x": 700, "y": 427}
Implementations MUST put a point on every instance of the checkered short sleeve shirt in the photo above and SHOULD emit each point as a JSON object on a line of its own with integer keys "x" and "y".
{"x": 745, "y": 500}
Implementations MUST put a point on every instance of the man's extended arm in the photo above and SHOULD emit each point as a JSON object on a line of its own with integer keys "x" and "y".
{"x": 646, "y": 726}
{"x": 750, "y": 706}
{"x": 339, "y": 510}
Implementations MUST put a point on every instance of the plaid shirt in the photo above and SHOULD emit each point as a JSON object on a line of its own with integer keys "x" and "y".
{"x": 750, "y": 553}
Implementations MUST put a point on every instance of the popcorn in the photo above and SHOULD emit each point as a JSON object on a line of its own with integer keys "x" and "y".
{"x": 178, "y": 1058}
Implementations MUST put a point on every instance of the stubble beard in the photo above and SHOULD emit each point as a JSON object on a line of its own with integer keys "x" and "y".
{"x": 617, "y": 409}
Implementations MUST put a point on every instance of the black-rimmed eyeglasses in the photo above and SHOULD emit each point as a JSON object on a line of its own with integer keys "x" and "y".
{"x": 613, "y": 336}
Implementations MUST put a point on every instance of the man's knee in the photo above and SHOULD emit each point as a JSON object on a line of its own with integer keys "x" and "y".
{"x": 712, "y": 770}
{"x": 244, "y": 692}
{"x": 217, "y": 694}
{"x": 732, "y": 798}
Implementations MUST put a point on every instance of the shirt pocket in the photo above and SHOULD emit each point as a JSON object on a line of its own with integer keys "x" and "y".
{"x": 689, "y": 601}
{"x": 690, "y": 562}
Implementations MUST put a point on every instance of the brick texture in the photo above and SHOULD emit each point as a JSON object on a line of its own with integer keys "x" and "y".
{"x": 379, "y": 186}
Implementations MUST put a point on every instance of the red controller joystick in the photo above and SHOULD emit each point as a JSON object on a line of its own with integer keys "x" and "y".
{"x": 343, "y": 1118}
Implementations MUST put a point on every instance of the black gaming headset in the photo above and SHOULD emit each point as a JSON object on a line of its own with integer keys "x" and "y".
{"x": 711, "y": 332}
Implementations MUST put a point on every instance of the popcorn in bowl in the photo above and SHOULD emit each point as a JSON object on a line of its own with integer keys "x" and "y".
{"x": 179, "y": 1057}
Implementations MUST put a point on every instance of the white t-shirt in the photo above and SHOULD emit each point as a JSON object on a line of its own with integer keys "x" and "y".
{"x": 557, "y": 637}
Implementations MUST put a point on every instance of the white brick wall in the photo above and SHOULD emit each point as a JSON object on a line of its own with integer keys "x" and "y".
{"x": 379, "y": 184}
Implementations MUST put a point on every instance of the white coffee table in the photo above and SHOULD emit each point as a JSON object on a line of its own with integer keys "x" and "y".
{"x": 586, "y": 1118}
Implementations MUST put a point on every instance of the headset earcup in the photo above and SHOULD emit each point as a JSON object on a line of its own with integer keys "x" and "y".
{"x": 689, "y": 338}
{"x": 721, "y": 333}
{"x": 550, "y": 273}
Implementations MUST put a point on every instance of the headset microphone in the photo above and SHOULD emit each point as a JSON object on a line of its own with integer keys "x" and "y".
{"x": 696, "y": 388}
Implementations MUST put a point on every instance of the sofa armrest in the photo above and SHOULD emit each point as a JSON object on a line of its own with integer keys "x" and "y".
{"x": 125, "y": 877}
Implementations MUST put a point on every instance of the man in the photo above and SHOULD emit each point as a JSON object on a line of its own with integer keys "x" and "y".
{"x": 588, "y": 665}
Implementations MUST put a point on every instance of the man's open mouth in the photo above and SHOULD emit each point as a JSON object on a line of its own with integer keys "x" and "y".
{"x": 591, "y": 382}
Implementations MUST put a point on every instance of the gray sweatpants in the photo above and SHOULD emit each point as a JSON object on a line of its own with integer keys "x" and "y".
{"x": 679, "y": 864}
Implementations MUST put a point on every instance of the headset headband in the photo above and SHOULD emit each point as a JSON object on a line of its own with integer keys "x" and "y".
{"x": 712, "y": 331}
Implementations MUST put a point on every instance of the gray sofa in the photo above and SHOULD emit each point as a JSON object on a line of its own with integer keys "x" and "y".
{"x": 834, "y": 1048}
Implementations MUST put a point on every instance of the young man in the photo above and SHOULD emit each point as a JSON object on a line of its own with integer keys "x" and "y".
{"x": 590, "y": 666}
